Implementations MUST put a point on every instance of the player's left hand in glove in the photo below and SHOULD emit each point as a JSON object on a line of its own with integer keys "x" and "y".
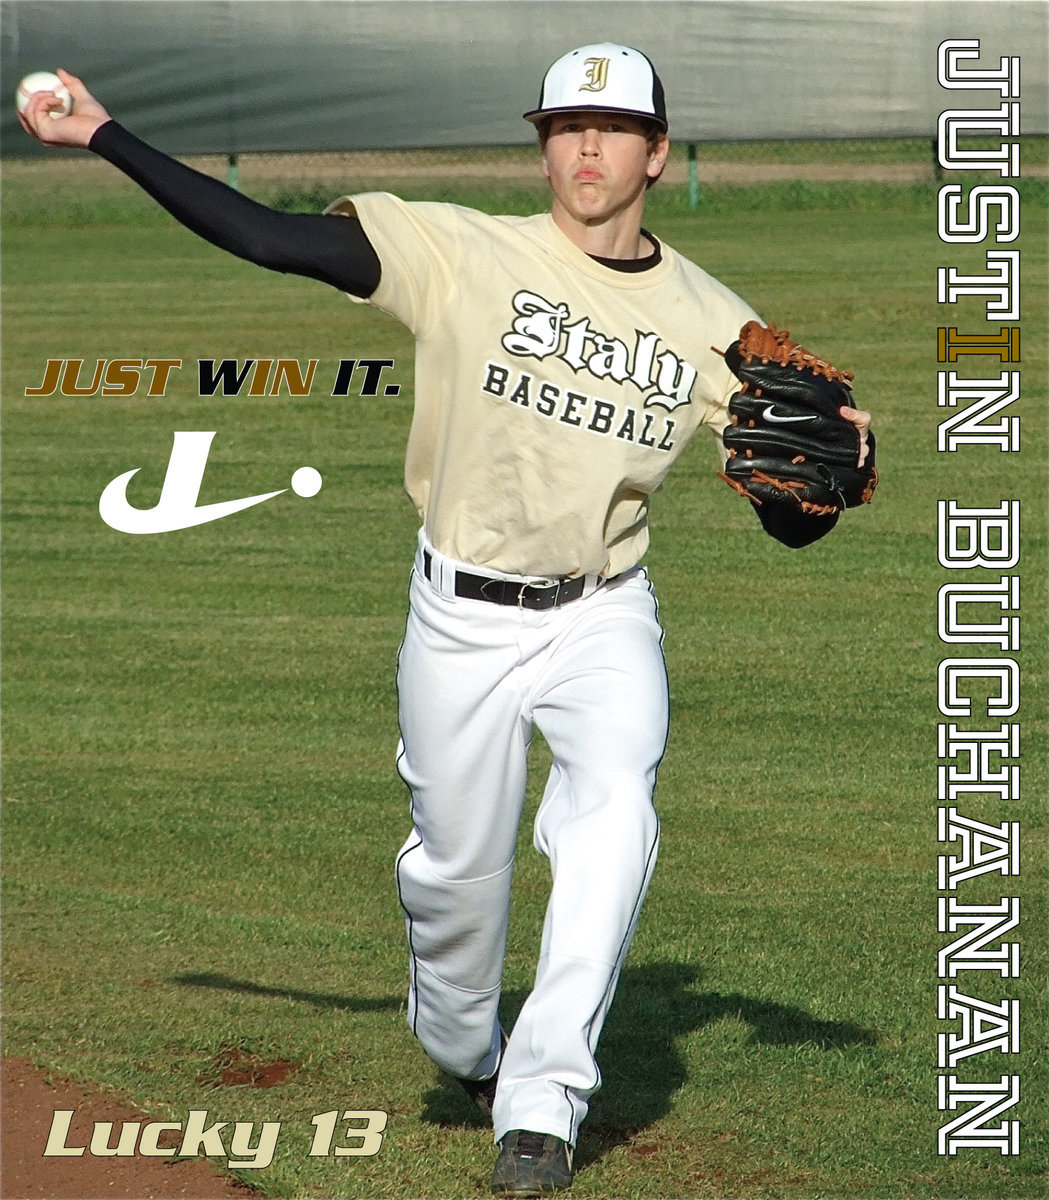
{"x": 788, "y": 442}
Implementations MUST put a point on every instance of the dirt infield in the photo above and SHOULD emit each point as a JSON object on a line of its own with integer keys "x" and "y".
{"x": 29, "y": 1103}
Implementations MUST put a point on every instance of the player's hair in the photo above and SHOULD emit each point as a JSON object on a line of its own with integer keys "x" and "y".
{"x": 654, "y": 134}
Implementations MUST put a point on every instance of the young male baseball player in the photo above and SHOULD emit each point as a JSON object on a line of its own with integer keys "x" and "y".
{"x": 563, "y": 361}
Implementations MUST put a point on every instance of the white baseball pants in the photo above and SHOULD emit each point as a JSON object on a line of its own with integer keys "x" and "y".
{"x": 473, "y": 678}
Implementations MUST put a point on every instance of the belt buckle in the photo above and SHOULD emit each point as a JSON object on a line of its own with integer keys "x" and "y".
{"x": 546, "y": 593}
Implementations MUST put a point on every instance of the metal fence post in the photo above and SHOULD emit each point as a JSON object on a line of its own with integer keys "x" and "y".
{"x": 693, "y": 178}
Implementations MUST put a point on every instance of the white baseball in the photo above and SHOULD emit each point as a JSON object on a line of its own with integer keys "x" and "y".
{"x": 44, "y": 81}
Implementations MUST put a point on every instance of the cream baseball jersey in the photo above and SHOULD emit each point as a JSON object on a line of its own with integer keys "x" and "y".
{"x": 552, "y": 393}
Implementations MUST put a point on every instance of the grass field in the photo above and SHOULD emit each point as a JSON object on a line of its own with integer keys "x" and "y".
{"x": 200, "y": 810}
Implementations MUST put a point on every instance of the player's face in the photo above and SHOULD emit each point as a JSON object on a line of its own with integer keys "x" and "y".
{"x": 599, "y": 164}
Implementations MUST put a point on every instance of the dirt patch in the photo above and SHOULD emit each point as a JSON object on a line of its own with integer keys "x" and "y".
{"x": 29, "y": 1103}
{"x": 238, "y": 1068}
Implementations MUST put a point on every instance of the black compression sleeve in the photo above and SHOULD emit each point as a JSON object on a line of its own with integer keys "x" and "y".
{"x": 332, "y": 249}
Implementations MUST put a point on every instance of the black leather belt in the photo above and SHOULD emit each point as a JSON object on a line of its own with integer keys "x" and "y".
{"x": 538, "y": 596}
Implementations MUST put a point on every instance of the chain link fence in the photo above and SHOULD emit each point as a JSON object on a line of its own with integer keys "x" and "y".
{"x": 75, "y": 186}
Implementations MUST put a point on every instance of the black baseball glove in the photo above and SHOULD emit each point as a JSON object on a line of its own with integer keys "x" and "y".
{"x": 788, "y": 443}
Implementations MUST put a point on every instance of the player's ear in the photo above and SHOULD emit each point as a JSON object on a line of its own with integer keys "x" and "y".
{"x": 658, "y": 150}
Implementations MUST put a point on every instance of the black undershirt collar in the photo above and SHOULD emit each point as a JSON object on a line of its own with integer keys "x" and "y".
{"x": 633, "y": 265}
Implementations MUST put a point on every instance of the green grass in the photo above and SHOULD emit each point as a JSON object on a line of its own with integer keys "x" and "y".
{"x": 200, "y": 806}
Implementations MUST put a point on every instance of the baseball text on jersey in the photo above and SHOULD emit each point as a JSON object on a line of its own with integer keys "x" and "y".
{"x": 578, "y": 409}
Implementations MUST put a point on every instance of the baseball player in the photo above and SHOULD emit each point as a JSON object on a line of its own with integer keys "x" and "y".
{"x": 563, "y": 362}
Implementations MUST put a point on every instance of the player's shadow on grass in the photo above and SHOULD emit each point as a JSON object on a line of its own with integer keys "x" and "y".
{"x": 656, "y": 1005}
{"x": 210, "y": 979}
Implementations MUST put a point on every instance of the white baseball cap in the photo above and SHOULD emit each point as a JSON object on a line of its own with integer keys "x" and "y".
{"x": 604, "y": 77}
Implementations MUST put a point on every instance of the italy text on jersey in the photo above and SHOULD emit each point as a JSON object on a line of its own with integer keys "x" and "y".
{"x": 542, "y": 328}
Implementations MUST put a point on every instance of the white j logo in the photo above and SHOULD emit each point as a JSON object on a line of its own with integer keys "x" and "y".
{"x": 177, "y": 506}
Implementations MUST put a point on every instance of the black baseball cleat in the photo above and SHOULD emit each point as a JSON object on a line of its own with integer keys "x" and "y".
{"x": 532, "y": 1164}
{"x": 482, "y": 1091}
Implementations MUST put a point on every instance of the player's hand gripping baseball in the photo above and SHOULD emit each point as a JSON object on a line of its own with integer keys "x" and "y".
{"x": 77, "y": 128}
